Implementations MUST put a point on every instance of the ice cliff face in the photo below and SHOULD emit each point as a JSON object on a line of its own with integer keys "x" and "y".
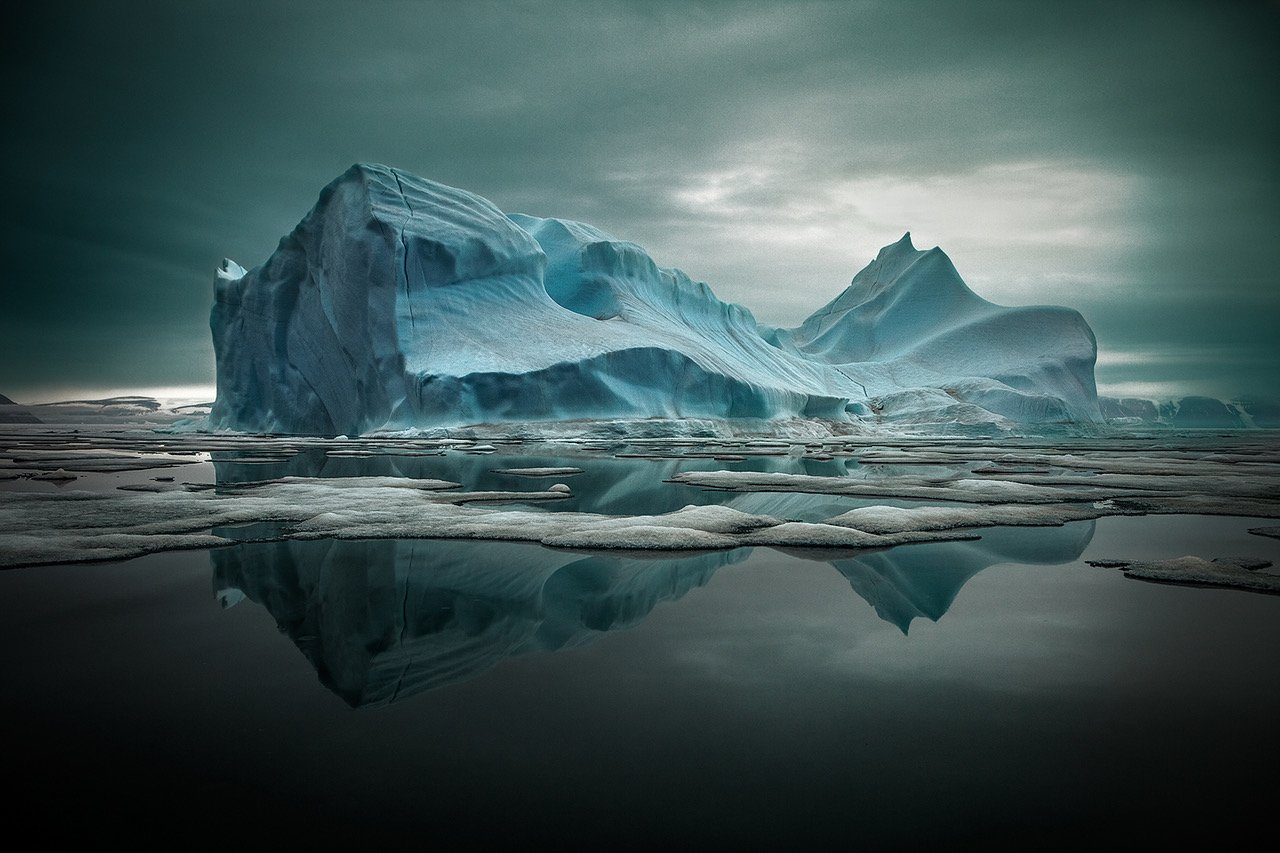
{"x": 400, "y": 302}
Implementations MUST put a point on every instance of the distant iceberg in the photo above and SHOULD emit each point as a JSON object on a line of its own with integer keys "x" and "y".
{"x": 398, "y": 302}
{"x": 1192, "y": 412}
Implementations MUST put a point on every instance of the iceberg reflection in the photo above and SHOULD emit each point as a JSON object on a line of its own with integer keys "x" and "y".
{"x": 381, "y": 620}
{"x": 910, "y": 581}
{"x": 384, "y": 619}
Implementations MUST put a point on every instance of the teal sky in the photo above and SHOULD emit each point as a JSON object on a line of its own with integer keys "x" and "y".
{"x": 1120, "y": 158}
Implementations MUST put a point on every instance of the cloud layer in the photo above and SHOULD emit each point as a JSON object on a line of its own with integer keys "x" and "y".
{"x": 1118, "y": 160}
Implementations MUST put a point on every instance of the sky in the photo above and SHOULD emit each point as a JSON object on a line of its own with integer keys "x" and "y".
{"x": 1118, "y": 158}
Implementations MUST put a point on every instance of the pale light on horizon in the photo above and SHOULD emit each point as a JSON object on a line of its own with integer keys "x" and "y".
{"x": 177, "y": 394}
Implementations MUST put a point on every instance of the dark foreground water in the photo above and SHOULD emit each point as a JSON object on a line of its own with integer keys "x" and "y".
{"x": 465, "y": 694}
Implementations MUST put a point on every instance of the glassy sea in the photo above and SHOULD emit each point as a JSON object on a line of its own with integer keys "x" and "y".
{"x": 998, "y": 692}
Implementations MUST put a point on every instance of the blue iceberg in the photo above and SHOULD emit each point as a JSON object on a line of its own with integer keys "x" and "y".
{"x": 398, "y": 302}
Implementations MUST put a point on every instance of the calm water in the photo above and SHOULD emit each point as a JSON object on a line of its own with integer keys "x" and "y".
{"x": 468, "y": 693}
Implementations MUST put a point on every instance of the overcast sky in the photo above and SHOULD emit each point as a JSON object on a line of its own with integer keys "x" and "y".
{"x": 1119, "y": 158}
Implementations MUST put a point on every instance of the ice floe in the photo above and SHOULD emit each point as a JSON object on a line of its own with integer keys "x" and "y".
{"x": 872, "y": 495}
{"x": 89, "y": 525}
{"x": 1112, "y": 487}
{"x": 1234, "y": 572}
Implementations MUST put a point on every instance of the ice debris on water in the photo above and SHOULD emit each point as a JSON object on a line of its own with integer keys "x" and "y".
{"x": 770, "y": 508}
{"x": 1233, "y": 572}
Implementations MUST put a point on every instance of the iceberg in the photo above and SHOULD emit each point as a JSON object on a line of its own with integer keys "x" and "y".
{"x": 400, "y": 303}
{"x": 1194, "y": 412}
{"x": 14, "y": 413}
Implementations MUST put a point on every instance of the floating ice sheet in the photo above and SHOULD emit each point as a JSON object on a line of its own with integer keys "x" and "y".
{"x": 1234, "y": 572}
{"x": 969, "y": 484}
{"x": 1112, "y": 486}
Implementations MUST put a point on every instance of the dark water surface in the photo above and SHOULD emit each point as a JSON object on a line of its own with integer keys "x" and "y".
{"x": 467, "y": 693}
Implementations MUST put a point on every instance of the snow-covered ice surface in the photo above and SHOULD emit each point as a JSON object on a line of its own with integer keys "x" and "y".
{"x": 539, "y": 472}
{"x": 400, "y": 303}
{"x": 1104, "y": 478}
{"x": 1236, "y": 572}
{"x": 139, "y": 492}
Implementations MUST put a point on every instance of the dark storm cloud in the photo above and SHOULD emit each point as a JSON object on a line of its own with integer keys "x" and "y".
{"x": 1121, "y": 160}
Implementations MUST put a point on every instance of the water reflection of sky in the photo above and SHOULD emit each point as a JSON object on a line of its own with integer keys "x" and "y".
{"x": 996, "y": 691}
{"x": 743, "y": 699}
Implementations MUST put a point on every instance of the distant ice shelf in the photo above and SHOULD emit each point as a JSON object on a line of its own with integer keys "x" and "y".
{"x": 401, "y": 303}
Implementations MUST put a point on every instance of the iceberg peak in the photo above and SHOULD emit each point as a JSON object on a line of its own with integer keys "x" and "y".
{"x": 901, "y": 251}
